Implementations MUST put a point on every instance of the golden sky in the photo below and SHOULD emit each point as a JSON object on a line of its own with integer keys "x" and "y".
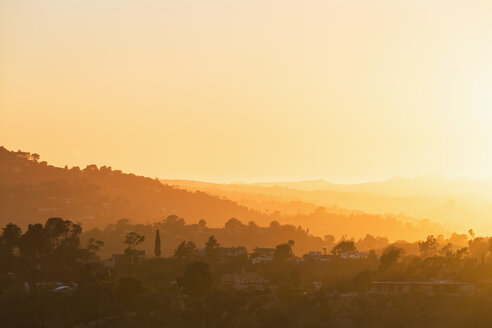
{"x": 346, "y": 90}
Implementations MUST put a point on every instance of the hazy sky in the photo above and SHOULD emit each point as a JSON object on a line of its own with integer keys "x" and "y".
{"x": 347, "y": 90}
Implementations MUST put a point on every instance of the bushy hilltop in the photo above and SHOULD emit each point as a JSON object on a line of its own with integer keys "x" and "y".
{"x": 31, "y": 189}
{"x": 234, "y": 233}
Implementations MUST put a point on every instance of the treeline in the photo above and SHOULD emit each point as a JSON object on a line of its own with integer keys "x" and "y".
{"x": 173, "y": 230}
{"x": 45, "y": 248}
{"x": 186, "y": 287}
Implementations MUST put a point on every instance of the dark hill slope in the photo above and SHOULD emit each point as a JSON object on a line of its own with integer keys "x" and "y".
{"x": 31, "y": 190}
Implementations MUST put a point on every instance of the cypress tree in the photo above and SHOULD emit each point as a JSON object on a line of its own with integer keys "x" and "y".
{"x": 157, "y": 249}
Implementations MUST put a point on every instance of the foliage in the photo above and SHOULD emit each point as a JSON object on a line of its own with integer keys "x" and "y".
{"x": 197, "y": 278}
{"x": 185, "y": 251}
{"x": 283, "y": 252}
{"x": 132, "y": 240}
{"x": 212, "y": 248}
{"x": 429, "y": 247}
{"x": 344, "y": 246}
{"x": 390, "y": 257}
{"x": 157, "y": 244}
{"x": 187, "y": 290}
{"x": 94, "y": 245}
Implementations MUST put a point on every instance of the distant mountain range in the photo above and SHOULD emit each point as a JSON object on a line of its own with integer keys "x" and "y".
{"x": 429, "y": 184}
{"x": 457, "y": 203}
{"x": 32, "y": 191}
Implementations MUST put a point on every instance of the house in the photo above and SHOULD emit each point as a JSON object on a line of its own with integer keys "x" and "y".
{"x": 125, "y": 259}
{"x": 232, "y": 251}
{"x": 56, "y": 287}
{"x": 427, "y": 287}
{"x": 262, "y": 255}
{"x": 261, "y": 258}
{"x": 245, "y": 281}
{"x": 353, "y": 255}
{"x": 225, "y": 252}
{"x": 312, "y": 256}
{"x": 264, "y": 251}
{"x": 201, "y": 252}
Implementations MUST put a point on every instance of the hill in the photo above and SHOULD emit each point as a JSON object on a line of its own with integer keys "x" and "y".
{"x": 457, "y": 203}
{"x": 427, "y": 184}
{"x": 31, "y": 189}
{"x": 324, "y": 212}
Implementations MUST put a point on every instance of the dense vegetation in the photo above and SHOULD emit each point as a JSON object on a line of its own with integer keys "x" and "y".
{"x": 213, "y": 270}
{"x": 186, "y": 288}
{"x": 173, "y": 230}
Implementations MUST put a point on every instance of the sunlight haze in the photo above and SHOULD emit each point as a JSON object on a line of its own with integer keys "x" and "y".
{"x": 347, "y": 91}
{"x": 246, "y": 163}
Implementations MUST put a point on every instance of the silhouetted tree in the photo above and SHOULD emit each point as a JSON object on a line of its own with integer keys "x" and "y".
{"x": 233, "y": 224}
{"x": 344, "y": 246}
{"x": 11, "y": 236}
{"x": 157, "y": 244}
{"x": 94, "y": 245}
{"x": 390, "y": 257}
{"x": 63, "y": 236}
{"x": 35, "y": 241}
{"x": 212, "y": 248}
{"x": 371, "y": 242}
{"x": 185, "y": 250}
{"x": 284, "y": 252}
{"x": 132, "y": 240}
{"x": 35, "y": 157}
{"x": 478, "y": 247}
{"x": 429, "y": 247}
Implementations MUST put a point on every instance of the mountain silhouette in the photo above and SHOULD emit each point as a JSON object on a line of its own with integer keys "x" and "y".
{"x": 32, "y": 190}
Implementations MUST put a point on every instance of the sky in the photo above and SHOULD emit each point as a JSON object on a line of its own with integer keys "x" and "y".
{"x": 223, "y": 90}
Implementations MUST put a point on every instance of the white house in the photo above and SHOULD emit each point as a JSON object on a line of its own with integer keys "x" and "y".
{"x": 353, "y": 255}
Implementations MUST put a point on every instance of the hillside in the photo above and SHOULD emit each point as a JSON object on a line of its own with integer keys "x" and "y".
{"x": 456, "y": 212}
{"x": 32, "y": 190}
{"x": 326, "y": 212}
{"x": 427, "y": 184}
{"x": 459, "y": 203}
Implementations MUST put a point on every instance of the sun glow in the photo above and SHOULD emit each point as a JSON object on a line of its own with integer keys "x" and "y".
{"x": 305, "y": 90}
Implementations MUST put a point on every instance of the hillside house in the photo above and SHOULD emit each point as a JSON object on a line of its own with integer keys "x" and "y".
{"x": 232, "y": 251}
{"x": 353, "y": 255}
{"x": 262, "y": 255}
